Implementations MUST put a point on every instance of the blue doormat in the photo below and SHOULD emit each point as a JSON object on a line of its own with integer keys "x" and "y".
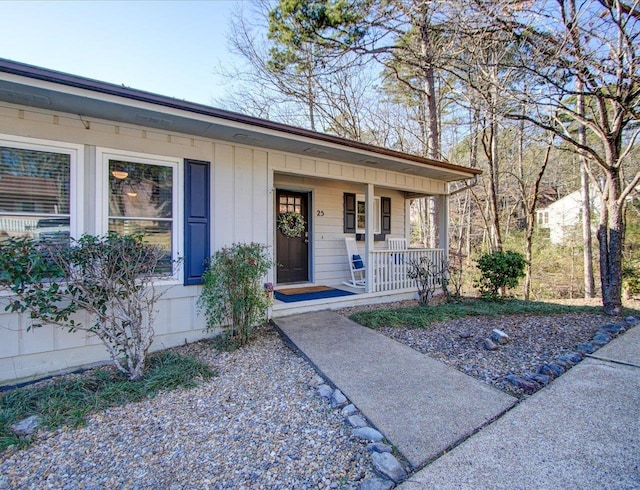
{"x": 326, "y": 293}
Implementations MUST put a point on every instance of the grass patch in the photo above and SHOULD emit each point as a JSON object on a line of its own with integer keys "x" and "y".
{"x": 423, "y": 316}
{"x": 69, "y": 399}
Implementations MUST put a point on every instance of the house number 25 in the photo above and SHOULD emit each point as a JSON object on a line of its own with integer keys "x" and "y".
{"x": 320, "y": 212}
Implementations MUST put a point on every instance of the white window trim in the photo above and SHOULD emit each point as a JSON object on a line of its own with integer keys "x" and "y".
{"x": 103, "y": 155}
{"x": 76, "y": 169}
{"x": 377, "y": 209}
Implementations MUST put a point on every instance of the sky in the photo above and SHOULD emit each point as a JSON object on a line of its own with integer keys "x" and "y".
{"x": 166, "y": 47}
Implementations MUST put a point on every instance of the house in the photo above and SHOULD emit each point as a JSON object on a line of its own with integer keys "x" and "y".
{"x": 563, "y": 218}
{"x": 192, "y": 179}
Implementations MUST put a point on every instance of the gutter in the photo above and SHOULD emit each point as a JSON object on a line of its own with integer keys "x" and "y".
{"x": 60, "y": 78}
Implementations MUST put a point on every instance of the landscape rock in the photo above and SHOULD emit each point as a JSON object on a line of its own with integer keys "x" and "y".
{"x": 562, "y": 363}
{"x": 558, "y": 369}
{"x": 316, "y": 381}
{"x": 368, "y": 434}
{"x": 542, "y": 379}
{"x": 388, "y": 466}
{"x": 611, "y": 329}
{"x": 601, "y": 338}
{"x": 489, "y": 344}
{"x": 325, "y": 391}
{"x": 574, "y": 357}
{"x": 376, "y": 484}
{"x": 357, "y": 421}
{"x": 566, "y": 359}
{"x": 338, "y": 400}
{"x": 526, "y": 385}
{"x": 378, "y": 447}
{"x": 548, "y": 371}
{"x": 349, "y": 410}
{"x": 586, "y": 348}
{"x": 631, "y": 320}
{"x": 499, "y": 336}
{"x": 26, "y": 427}
{"x": 465, "y": 335}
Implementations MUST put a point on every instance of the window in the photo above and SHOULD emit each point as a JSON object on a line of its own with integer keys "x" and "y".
{"x": 141, "y": 200}
{"x": 361, "y": 211}
{"x": 37, "y": 191}
{"x": 290, "y": 204}
{"x": 354, "y": 217}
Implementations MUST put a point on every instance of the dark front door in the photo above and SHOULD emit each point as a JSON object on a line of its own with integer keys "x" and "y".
{"x": 292, "y": 253}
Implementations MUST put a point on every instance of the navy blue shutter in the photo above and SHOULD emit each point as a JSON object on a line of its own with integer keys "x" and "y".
{"x": 196, "y": 222}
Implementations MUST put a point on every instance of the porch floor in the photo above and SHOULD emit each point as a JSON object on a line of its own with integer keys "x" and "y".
{"x": 422, "y": 406}
{"x": 360, "y": 297}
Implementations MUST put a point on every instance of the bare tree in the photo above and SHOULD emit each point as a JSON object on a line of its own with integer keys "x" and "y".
{"x": 592, "y": 51}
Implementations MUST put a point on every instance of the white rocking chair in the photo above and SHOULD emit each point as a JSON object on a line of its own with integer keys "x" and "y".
{"x": 356, "y": 264}
{"x": 397, "y": 243}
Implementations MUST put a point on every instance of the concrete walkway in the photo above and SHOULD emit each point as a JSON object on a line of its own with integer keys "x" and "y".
{"x": 421, "y": 405}
{"x": 583, "y": 431}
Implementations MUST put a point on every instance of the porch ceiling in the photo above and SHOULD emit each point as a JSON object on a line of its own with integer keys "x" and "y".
{"x": 47, "y": 89}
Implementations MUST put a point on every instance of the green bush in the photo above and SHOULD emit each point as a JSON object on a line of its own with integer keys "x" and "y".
{"x": 500, "y": 271}
{"x": 110, "y": 277}
{"x": 233, "y": 296}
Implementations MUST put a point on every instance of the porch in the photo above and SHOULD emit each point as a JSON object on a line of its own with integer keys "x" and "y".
{"x": 388, "y": 281}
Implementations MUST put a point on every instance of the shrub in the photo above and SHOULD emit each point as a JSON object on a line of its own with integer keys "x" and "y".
{"x": 110, "y": 277}
{"x": 453, "y": 280}
{"x": 500, "y": 271}
{"x": 233, "y": 296}
{"x": 428, "y": 277}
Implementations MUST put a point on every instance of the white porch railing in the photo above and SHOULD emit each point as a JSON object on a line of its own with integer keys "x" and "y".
{"x": 389, "y": 268}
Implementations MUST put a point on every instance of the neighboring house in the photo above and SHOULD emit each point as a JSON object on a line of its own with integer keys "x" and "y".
{"x": 563, "y": 217}
{"x": 90, "y": 157}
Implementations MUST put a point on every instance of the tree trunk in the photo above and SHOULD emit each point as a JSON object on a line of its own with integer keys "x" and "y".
{"x": 492, "y": 155}
{"x": 432, "y": 149}
{"x": 589, "y": 285}
{"x": 611, "y": 238}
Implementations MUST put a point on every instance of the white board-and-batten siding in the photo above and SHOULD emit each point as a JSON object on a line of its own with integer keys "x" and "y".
{"x": 243, "y": 182}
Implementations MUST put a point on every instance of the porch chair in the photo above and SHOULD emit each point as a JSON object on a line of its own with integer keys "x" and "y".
{"x": 356, "y": 264}
{"x": 398, "y": 267}
{"x": 397, "y": 243}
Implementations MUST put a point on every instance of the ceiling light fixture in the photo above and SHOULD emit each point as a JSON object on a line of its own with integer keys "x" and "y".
{"x": 120, "y": 174}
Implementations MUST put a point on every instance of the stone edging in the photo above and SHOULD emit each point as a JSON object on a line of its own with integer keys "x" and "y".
{"x": 547, "y": 372}
{"x": 385, "y": 464}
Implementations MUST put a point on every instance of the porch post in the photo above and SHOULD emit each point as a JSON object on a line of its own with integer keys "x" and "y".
{"x": 368, "y": 233}
{"x": 407, "y": 220}
{"x": 443, "y": 225}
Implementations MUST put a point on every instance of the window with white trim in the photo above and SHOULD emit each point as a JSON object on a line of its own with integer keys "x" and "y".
{"x": 361, "y": 212}
{"x": 38, "y": 191}
{"x": 142, "y": 199}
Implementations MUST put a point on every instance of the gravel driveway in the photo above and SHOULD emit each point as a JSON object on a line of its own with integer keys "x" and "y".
{"x": 259, "y": 424}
